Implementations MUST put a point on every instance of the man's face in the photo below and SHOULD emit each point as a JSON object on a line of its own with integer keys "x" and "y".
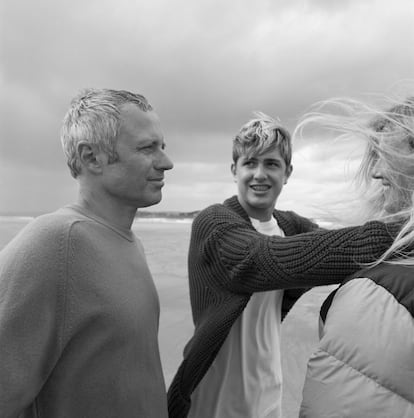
{"x": 260, "y": 180}
{"x": 137, "y": 177}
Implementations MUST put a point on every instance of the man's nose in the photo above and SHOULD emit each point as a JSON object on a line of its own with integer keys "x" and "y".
{"x": 164, "y": 162}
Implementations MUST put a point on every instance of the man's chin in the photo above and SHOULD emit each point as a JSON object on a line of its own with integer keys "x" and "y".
{"x": 151, "y": 202}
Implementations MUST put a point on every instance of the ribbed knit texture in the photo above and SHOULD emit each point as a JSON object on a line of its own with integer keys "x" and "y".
{"x": 229, "y": 260}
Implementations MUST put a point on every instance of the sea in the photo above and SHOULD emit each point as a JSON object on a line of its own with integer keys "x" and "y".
{"x": 166, "y": 244}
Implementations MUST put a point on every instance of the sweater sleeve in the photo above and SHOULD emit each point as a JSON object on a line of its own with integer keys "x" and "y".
{"x": 31, "y": 314}
{"x": 249, "y": 262}
{"x": 300, "y": 225}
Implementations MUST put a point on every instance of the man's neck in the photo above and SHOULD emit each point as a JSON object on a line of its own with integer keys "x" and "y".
{"x": 120, "y": 216}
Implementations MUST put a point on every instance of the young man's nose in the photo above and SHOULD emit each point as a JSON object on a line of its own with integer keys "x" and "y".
{"x": 259, "y": 172}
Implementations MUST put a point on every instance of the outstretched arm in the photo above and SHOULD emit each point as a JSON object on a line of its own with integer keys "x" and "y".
{"x": 249, "y": 262}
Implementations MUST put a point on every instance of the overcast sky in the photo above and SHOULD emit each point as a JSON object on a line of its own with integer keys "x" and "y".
{"x": 205, "y": 65}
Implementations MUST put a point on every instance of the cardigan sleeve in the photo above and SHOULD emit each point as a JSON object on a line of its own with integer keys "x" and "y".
{"x": 246, "y": 261}
{"x": 299, "y": 225}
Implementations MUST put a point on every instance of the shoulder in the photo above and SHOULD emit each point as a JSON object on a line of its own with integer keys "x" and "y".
{"x": 382, "y": 293}
{"x": 46, "y": 234}
{"x": 217, "y": 221}
{"x": 291, "y": 215}
{"x": 391, "y": 280}
{"x": 43, "y": 230}
{"x": 39, "y": 253}
{"x": 293, "y": 223}
{"x": 218, "y": 214}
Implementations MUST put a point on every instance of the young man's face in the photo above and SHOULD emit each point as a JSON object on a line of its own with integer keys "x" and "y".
{"x": 260, "y": 180}
{"x": 137, "y": 177}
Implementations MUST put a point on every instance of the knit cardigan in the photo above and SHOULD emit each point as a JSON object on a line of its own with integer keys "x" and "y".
{"x": 229, "y": 260}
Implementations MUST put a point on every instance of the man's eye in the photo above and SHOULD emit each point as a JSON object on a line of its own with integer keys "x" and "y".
{"x": 145, "y": 148}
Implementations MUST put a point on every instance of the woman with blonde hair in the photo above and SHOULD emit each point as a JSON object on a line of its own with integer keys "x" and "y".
{"x": 364, "y": 364}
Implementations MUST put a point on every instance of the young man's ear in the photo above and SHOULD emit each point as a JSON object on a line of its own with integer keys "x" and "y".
{"x": 90, "y": 157}
{"x": 288, "y": 173}
{"x": 233, "y": 170}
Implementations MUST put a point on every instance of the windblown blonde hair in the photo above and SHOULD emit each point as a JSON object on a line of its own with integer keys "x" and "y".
{"x": 383, "y": 131}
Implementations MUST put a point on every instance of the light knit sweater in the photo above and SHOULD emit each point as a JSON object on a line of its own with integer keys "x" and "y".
{"x": 78, "y": 322}
{"x": 229, "y": 260}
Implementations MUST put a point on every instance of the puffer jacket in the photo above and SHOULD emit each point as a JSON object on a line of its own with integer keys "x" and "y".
{"x": 364, "y": 365}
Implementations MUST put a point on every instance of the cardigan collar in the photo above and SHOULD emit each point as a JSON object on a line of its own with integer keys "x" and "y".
{"x": 234, "y": 204}
{"x": 283, "y": 221}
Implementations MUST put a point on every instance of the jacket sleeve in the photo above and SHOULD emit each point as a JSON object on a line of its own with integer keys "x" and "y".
{"x": 249, "y": 262}
{"x": 31, "y": 313}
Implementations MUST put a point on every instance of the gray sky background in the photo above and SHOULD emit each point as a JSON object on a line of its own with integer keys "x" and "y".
{"x": 205, "y": 65}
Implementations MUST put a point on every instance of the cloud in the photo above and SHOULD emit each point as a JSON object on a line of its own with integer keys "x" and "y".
{"x": 29, "y": 190}
{"x": 204, "y": 65}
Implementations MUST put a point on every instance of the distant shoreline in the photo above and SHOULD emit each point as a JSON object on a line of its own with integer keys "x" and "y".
{"x": 141, "y": 214}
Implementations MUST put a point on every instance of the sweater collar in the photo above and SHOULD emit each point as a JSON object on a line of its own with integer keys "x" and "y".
{"x": 233, "y": 204}
{"x": 126, "y": 233}
{"x": 284, "y": 221}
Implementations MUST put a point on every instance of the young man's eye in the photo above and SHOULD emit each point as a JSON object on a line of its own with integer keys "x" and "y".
{"x": 248, "y": 163}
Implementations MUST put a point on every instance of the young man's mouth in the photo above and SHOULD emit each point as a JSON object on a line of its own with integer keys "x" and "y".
{"x": 260, "y": 187}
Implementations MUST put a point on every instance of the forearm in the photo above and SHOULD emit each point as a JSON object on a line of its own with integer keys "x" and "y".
{"x": 318, "y": 258}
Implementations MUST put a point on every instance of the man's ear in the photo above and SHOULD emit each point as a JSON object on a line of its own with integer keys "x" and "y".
{"x": 90, "y": 157}
{"x": 288, "y": 173}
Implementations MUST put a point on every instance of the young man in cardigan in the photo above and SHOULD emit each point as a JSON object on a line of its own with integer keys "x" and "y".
{"x": 245, "y": 259}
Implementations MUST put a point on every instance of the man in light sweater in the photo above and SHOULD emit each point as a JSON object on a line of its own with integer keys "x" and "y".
{"x": 78, "y": 307}
{"x": 245, "y": 260}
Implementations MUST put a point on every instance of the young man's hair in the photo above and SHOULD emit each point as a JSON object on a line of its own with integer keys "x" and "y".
{"x": 383, "y": 132}
{"x": 262, "y": 134}
{"x": 94, "y": 117}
